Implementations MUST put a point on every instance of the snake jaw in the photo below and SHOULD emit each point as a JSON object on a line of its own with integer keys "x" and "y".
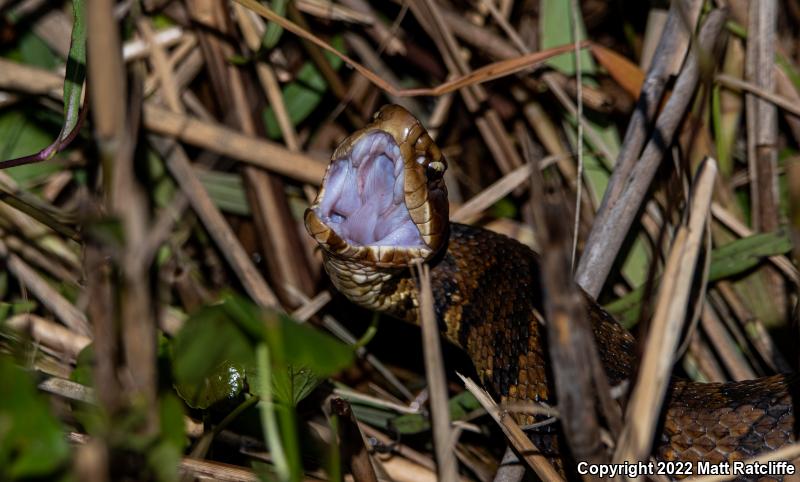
{"x": 383, "y": 199}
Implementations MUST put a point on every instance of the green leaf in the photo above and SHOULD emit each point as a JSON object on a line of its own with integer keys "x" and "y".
{"x": 504, "y": 208}
{"x": 304, "y": 94}
{"x": 274, "y": 31}
{"x": 293, "y": 344}
{"x": 460, "y": 406}
{"x": 164, "y": 457}
{"x": 729, "y": 260}
{"x": 32, "y": 443}
{"x": 741, "y": 255}
{"x": 171, "y": 417}
{"x": 210, "y": 358}
{"x": 20, "y": 136}
{"x": 76, "y": 69}
{"x": 73, "y": 86}
{"x": 214, "y": 354}
{"x": 555, "y": 24}
{"x": 226, "y": 190}
{"x": 787, "y": 66}
{"x": 292, "y": 384}
{"x": 378, "y": 415}
{"x": 83, "y": 367}
{"x": 34, "y": 51}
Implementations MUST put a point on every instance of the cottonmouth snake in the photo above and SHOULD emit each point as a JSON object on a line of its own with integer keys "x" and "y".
{"x": 383, "y": 205}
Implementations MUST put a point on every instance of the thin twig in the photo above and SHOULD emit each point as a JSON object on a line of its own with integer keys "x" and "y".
{"x": 516, "y": 436}
{"x": 447, "y": 466}
{"x": 579, "y": 181}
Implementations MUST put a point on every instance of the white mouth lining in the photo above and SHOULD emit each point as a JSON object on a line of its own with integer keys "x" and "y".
{"x": 364, "y": 201}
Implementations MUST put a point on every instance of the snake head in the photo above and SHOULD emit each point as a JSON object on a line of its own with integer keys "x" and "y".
{"x": 383, "y": 200}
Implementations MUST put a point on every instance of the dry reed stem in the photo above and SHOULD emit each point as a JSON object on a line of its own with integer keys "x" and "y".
{"x": 514, "y": 433}
{"x": 278, "y": 239}
{"x": 510, "y": 470}
{"x": 478, "y": 36}
{"x": 173, "y": 60}
{"x": 402, "y": 470}
{"x": 68, "y": 389}
{"x": 137, "y": 49}
{"x": 217, "y": 227}
{"x": 443, "y": 436}
{"x": 656, "y": 21}
{"x": 162, "y": 228}
{"x": 789, "y": 105}
{"x": 470, "y": 210}
{"x": 578, "y": 375}
{"x": 217, "y": 471}
{"x": 370, "y": 57}
{"x": 356, "y": 396}
{"x": 58, "y": 268}
{"x": 232, "y": 143}
{"x": 486, "y": 198}
{"x": 761, "y": 115}
{"x": 202, "y": 469}
{"x": 332, "y": 11}
{"x": 351, "y": 442}
{"x": 671, "y": 50}
{"x": 18, "y": 77}
{"x": 56, "y": 337}
{"x": 753, "y": 329}
{"x": 483, "y": 74}
{"x": 312, "y": 306}
{"x": 253, "y": 28}
{"x": 161, "y": 68}
{"x": 642, "y": 412}
{"x": 699, "y": 354}
{"x": 399, "y": 449}
{"x": 332, "y": 325}
{"x": 204, "y": 134}
{"x": 559, "y": 92}
{"x": 51, "y": 299}
{"x": 488, "y": 123}
{"x": 618, "y": 211}
{"x": 724, "y": 345}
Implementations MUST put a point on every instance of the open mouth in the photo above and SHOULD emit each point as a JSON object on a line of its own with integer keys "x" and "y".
{"x": 364, "y": 201}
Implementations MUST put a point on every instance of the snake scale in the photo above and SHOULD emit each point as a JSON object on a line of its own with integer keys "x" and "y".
{"x": 383, "y": 205}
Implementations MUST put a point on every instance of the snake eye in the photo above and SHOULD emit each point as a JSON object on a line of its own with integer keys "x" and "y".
{"x": 436, "y": 169}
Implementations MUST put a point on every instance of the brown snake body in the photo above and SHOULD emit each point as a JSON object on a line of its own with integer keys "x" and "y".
{"x": 383, "y": 205}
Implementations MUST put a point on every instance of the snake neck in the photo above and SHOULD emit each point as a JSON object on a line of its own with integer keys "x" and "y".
{"x": 387, "y": 290}
{"x": 486, "y": 290}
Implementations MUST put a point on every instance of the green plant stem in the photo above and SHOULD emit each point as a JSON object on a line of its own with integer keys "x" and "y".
{"x": 267, "y": 411}
{"x": 368, "y": 335}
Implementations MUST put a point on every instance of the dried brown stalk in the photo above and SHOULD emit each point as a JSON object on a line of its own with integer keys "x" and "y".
{"x": 662, "y": 338}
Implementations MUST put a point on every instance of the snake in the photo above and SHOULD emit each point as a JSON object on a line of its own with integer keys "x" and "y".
{"x": 383, "y": 206}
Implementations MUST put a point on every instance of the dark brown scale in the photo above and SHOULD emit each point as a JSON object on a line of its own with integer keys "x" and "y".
{"x": 486, "y": 289}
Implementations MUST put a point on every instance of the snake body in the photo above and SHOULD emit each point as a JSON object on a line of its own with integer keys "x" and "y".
{"x": 487, "y": 289}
